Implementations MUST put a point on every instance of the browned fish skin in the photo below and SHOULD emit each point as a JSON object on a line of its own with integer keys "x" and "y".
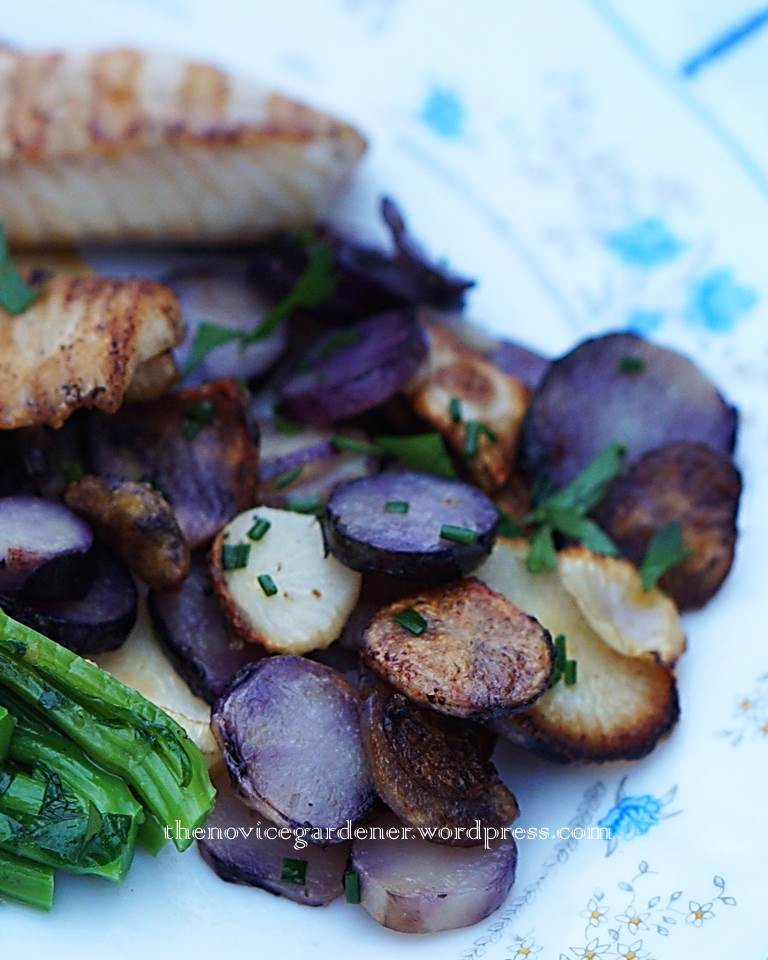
{"x": 122, "y": 144}
{"x": 79, "y": 345}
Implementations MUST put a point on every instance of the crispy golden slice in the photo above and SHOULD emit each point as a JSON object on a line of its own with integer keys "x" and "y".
{"x": 492, "y": 399}
{"x": 80, "y": 345}
{"x": 138, "y": 523}
{"x": 619, "y": 706}
{"x": 478, "y": 656}
{"x": 122, "y": 144}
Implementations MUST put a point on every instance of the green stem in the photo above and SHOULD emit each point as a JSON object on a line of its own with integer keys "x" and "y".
{"x": 26, "y": 882}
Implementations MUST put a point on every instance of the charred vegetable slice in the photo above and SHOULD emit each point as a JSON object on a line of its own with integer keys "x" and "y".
{"x": 477, "y": 407}
{"x": 479, "y": 655}
{"x": 290, "y": 734}
{"x": 620, "y": 705}
{"x": 205, "y": 466}
{"x": 588, "y": 400}
{"x": 100, "y": 621}
{"x": 378, "y": 357}
{"x": 258, "y": 862}
{"x": 139, "y": 525}
{"x": 366, "y": 536}
{"x": 193, "y": 630}
{"x": 415, "y": 886}
{"x": 691, "y": 485}
{"x": 282, "y": 590}
{"x": 433, "y": 770}
{"x": 45, "y": 549}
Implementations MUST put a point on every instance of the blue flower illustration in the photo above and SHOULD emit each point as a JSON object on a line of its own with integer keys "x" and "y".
{"x": 443, "y": 112}
{"x": 633, "y": 816}
{"x": 717, "y": 301}
{"x": 646, "y": 243}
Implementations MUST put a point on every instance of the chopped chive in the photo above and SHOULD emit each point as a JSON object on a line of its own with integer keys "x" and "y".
{"x": 285, "y": 425}
{"x": 508, "y": 527}
{"x": 196, "y": 417}
{"x": 294, "y": 871}
{"x": 352, "y": 886}
{"x": 454, "y": 409}
{"x": 472, "y": 432}
{"x": 412, "y": 621}
{"x": 397, "y": 506}
{"x": 560, "y": 649}
{"x": 569, "y": 673}
{"x": 259, "y": 528}
{"x": 267, "y": 584}
{"x": 234, "y": 556}
{"x": 631, "y": 365}
{"x": 306, "y": 504}
{"x": 458, "y": 534}
{"x": 355, "y": 445}
{"x": 287, "y": 478}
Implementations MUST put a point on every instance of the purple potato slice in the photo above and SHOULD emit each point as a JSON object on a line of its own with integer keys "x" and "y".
{"x": 193, "y": 632}
{"x": 363, "y": 533}
{"x": 53, "y": 457}
{"x": 258, "y": 862}
{"x": 347, "y": 372}
{"x": 45, "y": 550}
{"x": 100, "y": 621}
{"x": 415, "y": 886}
{"x": 622, "y": 389}
{"x": 290, "y": 733}
{"x": 520, "y": 362}
{"x": 433, "y": 770}
{"x": 223, "y": 294}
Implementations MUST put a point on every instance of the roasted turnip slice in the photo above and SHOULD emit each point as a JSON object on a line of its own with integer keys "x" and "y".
{"x": 685, "y": 483}
{"x": 433, "y": 770}
{"x": 619, "y": 706}
{"x": 100, "y": 621}
{"x": 461, "y": 649}
{"x": 517, "y": 360}
{"x": 258, "y": 861}
{"x": 349, "y": 371}
{"x": 277, "y": 585}
{"x": 377, "y": 591}
{"x": 619, "y": 388}
{"x": 290, "y": 734}
{"x": 193, "y": 630}
{"x": 222, "y": 294}
{"x": 193, "y": 446}
{"x": 415, "y": 886}
{"x": 138, "y": 523}
{"x": 409, "y": 524}
{"x": 45, "y": 550}
{"x": 477, "y": 407}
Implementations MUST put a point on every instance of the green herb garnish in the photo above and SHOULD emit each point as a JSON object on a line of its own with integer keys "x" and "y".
{"x": 287, "y": 426}
{"x": 397, "y": 506}
{"x": 196, "y": 417}
{"x": 541, "y": 553}
{"x": 234, "y": 556}
{"x": 509, "y": 527}
{"x": 267, "y": 584}
{"x": 562, "y": 668}
{"x": 352, "y": 886}
{"x": 306, "y": 505}
{"x": 631, "y": 365}
{"x": 259, "y": 528}
{"x": 569, "y": 673}
{"x": 665, "y": 551}
{"x": 16, "y": 295}
{"x": 337, "y": 341}
{"x": 422, "y": 451}
{"x": 294, "y": 871}
{"x": 412, "y": 620}
{"x": 473, "y": 430}
{"x": 72, "y": 472}
{"x": 461, "y": 535}
{"x": 287, "y": 478}
{"x": 354, "y": 445}
{"x": 454, "y": 410}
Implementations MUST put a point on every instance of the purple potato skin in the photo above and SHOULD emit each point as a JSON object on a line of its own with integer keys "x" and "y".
{"x": 98, "y": 622}
{"x": 587, "y": 401}
{"x": 413, "y": 886}
{"x": 341, "y": 382}
{"x": 259, "y": 862}
{"x": 35, "y": 567}
{"x": 192, "y": 629}
{"x": 520, "y": 362}
{"x": 289, "y": 729}
{"x": 364, "y": 536}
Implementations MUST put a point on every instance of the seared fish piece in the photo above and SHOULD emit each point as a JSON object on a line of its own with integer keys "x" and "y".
{"x": 128, "y": 145}
{"x": 84, "y": 343}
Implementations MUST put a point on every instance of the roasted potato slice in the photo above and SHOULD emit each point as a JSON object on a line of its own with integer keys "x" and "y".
{"x": 689, "y": 483}
{"x": 619, "y": 707}
{"x": 485, "y": 395}
{"x": 433, "y": 770}
{"x": 476, "y": 654}
{"x": 138, "y": 523}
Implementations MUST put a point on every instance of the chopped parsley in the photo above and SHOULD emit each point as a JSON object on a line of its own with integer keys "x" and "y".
{"x": 665, "y": 551}
{"x": 412, "y": 621}
{"x": 16, "y": 295}
{"x": 234, "y": 556}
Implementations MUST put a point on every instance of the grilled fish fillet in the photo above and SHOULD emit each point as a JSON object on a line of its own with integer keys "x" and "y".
{"x": 82, "y": 344}
{"x": 128, "y": 145}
